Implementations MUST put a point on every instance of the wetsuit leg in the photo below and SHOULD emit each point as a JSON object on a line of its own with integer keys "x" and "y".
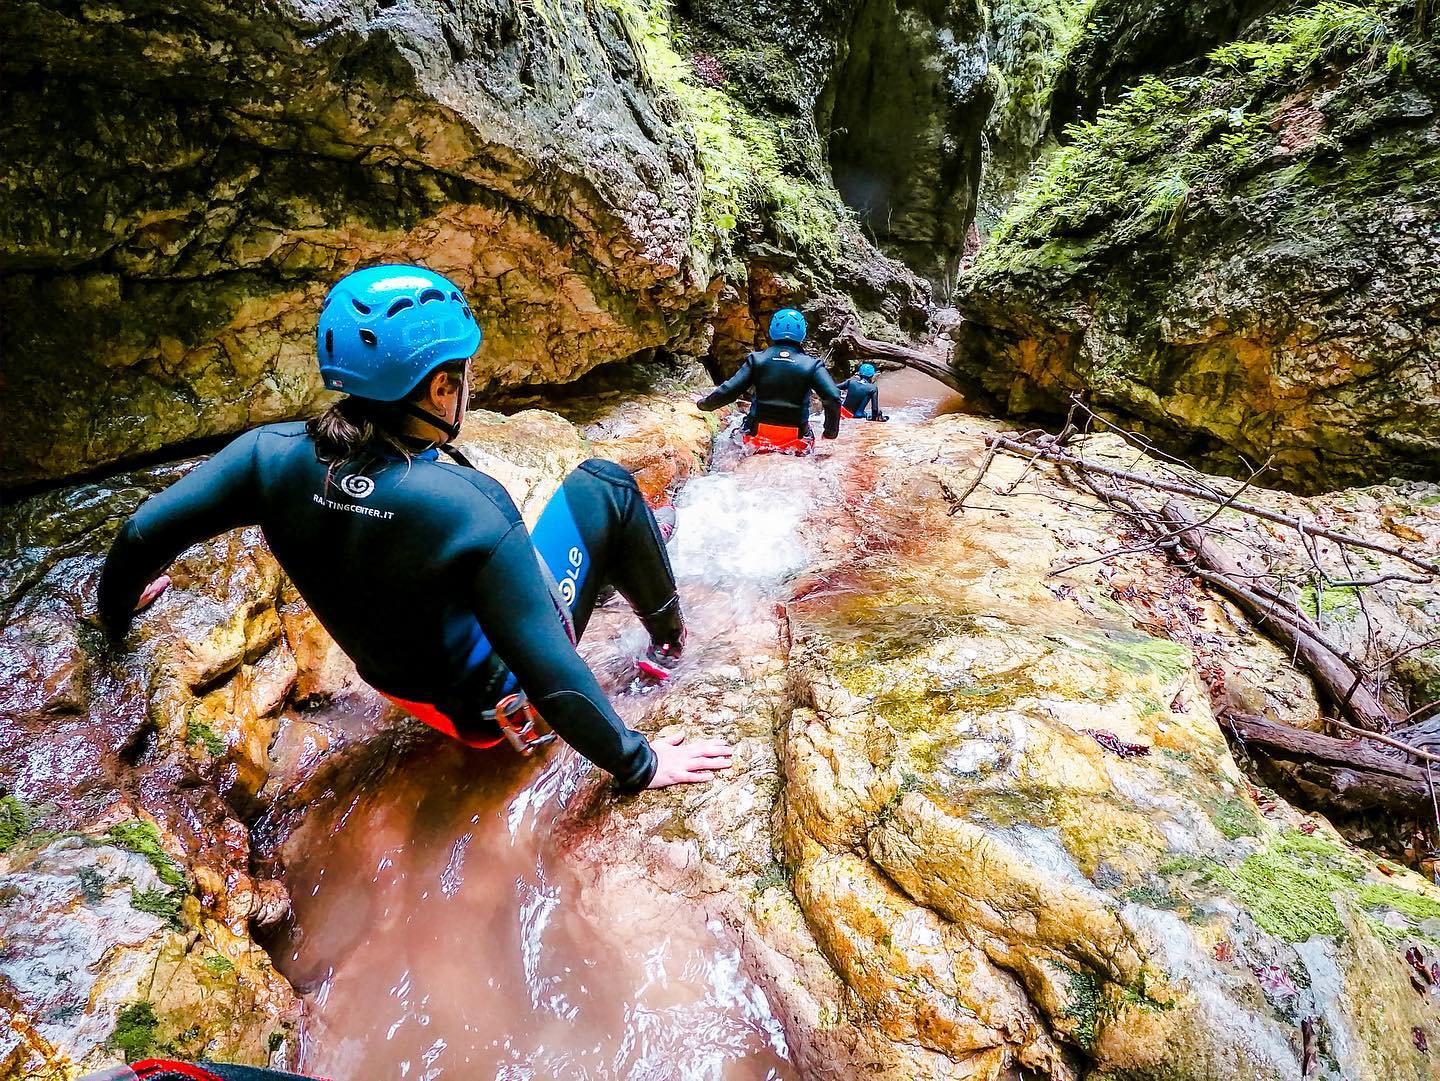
{"x": 599, "y": 510}
{"x": 596, "y": 531}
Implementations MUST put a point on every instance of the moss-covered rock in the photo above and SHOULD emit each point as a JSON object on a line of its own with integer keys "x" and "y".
{"x": 1241, "y": 261}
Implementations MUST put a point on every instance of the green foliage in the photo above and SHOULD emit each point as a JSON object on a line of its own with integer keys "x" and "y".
{"x": 1329, "y": 31}
{"x": 144, "y": 839}
{"x": 201, "y": 734}
{"x": 162, "y": 903}
{"x": 92, "y": 884}
{"x": 134, "y": 1035}
{"x": 17, "y": 819}
{"x": 775, "y": 877}
{"x": 1084, "y": 1006}
{"x": 1171, "y": 147}
{"x": 744, "y": 176}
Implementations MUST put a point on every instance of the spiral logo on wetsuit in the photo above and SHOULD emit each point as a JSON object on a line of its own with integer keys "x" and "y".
{"x": 357, "y": 486}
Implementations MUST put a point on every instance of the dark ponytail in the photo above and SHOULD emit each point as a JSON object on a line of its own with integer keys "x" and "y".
{"x": 353, "y": 425}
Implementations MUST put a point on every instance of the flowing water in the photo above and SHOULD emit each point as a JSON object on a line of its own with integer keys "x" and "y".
{"x": 436, "y": 933}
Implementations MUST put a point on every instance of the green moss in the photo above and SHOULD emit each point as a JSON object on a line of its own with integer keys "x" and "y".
{"x": 1141, "y": 654}
{"x": 143, "y": 839}
{"x": 92, "y": 884}
{"x": 134, "y": 1035}
{"x": 198, "y": 733}
{"x": 1233, "y": 817}
{"x": 1171, "y": 150}
{"x": 1291, "y": 886}
{"x": 218, "y": 966}
{"x": 745, "y": 175}
{"x": 17, "y": 820}
{"x": 162, "y": 903}
{"x": 1084, "y": 1005}
{"x": 1413, "y": 905}
{"x": 276, "y": 1040}
{"x": 1338, "y": 601}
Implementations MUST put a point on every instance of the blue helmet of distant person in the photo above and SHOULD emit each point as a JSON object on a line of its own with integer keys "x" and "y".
{"x": 867, "y": 370}
{"x": 385, "y": 328}
{"x": 787, "y": 325}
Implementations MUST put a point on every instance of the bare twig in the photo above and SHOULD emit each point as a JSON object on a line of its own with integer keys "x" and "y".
{"x": 1389, "y": 741}
{"x": 1062, "y": 456}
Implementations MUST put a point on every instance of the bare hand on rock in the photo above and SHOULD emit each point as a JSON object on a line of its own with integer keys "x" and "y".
{"x": 153, "y": 590}
{"x": 695, "y": 762}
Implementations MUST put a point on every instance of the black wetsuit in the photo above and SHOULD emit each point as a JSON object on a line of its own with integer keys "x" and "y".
{"x": 782, "y": 379}
{"x": 418, "y": 568}
{"x": 860, "y": 394}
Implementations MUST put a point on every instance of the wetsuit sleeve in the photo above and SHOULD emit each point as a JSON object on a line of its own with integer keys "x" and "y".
{"x": 517, "y": 613}
{"x": 824, "y": 386}
{"x": 731, "y": 389}
{"x": 213, "y": 497}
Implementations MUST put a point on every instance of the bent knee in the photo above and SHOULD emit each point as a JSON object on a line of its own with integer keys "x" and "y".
{"x": 607, "y": 471}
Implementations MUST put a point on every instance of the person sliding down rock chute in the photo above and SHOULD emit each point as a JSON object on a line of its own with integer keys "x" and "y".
{"x": 861, "y": 393}
{"x": 781, "y": 379}
{"x": 420, "y": 569}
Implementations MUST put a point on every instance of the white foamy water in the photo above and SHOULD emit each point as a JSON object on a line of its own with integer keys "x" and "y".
{"x": 733, "y": 531}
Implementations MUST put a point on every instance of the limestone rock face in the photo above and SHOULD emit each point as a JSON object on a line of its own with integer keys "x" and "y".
{"x": 1242, "y": 262}
{"x": 936, "y": 854}
{"x": 128, "y": 775}
{"x": 166, "y": 256}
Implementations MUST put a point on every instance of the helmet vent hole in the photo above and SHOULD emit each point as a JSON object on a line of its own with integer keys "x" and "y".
{"x": 468, "y": 317}
{"x": 431, "y": 294}
{"x": 363, "y": 309}
{"x": 456, "y": 298}
{"x": 399, "y": 306}
{"x": 329, "y": 341}
{"x": 368, "y": 337}
{"x": 328, "y": 298}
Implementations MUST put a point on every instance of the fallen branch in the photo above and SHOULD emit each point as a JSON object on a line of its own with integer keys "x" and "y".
{"x": 1064, "y": 457}
{"x": 1360, "y": 776}
{"x": 849, "y": 345}
{"x": 1340, "y": 680}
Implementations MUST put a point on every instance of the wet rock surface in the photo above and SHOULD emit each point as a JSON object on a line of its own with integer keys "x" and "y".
{"x": 128, "y": 899}
{"x": 939, "y": 857}
{"x": 220, "y": 171}
{"x": 1239, "y": 261}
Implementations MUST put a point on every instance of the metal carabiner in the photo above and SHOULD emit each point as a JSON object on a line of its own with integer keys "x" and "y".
{"x": 521, "y": 724}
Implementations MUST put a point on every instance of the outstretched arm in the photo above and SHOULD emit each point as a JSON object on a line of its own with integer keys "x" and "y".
{"x": 517, "y": 613}
{"x": 824, "y": 386}
{"x": 729, "y": 390}
{"x": 211, "y": 498}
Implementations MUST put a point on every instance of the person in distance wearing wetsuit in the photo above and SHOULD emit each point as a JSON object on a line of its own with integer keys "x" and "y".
{"x": 782, "y": 379}
{"x": 861, "y": 393}
{"x": 422, "y": 570}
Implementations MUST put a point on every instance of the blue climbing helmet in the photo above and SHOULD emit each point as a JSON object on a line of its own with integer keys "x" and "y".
{"x": 867, "y": 371}
{"x": 787, "y": 325}
{"x": 385, "y": 328}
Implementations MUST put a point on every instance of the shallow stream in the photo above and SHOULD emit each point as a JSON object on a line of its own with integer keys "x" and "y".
{"x": 438, "y": 934}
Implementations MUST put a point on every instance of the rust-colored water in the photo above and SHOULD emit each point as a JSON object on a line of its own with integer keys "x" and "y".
{"x": 432, "y": 938}
{"x": 437, "y": 932}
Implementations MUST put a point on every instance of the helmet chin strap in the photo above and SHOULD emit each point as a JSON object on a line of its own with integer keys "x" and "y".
{"x": 451, "y": 428}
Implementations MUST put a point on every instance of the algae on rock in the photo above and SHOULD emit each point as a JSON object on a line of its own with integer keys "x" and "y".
{"x": 1241, "y": 260}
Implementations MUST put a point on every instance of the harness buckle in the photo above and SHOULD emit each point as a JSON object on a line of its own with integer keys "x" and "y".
{"x": 521, "y": 724}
